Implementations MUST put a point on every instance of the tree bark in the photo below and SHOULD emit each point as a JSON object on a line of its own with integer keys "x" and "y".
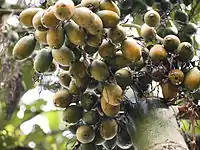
{"x": 157, "y": 129}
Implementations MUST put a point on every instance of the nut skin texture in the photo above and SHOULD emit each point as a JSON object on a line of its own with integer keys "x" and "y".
{"x": 108, "y": 129}
{"x": 26, "y": 16}
{"x": 41, "y": 36}
{"x": 24, "y": 47}
{"x": 93, "y": 4}
{"x": 64, "y": 56}
{"x": 36, "y": 21}
{"x": 112, "y": 93}
{"x": 62, "y": 98}
{"x": 64, "y": 79}
{"x": 171, "y": 43}
{"x": 96, "y": 28}
{"x": 109, "y": 5}
{"x": 158, "y": 53}
{"x": 72, "y": 114}
{"x": 152, "y": 18}
{"x": 85, "y": 134}
{"x": 99, "y": 70}
{"x": 55, "y": 38}
{"x": 83, "y": 16}
{"x": 109, "y": 18}
{"x": 64, "y": 10}
{"x": 48, "y": 19}
{"x": 75, "y": 34}
{"x": 109, "y": 110}
{"x": 116, "y": 35}
{"x": 43, "y": 60}
{"x": 176, "y": 77}
{"x": 107, "y": 49}
{"x": 148, "y": 33}
{"x": 185, "y": 51}
{"x": 123, "y": 77}
{"x": 169, "y": 91}
{"x": 192, "y": 79}
{"x": 131, "y": 49}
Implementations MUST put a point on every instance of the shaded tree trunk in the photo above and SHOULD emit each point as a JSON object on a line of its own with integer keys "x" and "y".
{"x": 157, "y": 129}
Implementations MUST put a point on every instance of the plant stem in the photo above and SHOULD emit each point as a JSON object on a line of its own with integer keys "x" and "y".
{"x": 131, "y": 25}
{"x": 139, "y": 28}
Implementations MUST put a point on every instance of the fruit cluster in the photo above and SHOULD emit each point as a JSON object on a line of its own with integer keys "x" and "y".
{"x": 97, "y": 62}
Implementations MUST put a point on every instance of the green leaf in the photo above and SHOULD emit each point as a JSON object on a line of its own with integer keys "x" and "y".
{"x": 36, "y": 106}
{"x": 55, "y": 119}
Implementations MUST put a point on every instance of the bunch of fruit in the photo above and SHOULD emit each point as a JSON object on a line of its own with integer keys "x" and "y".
{"x": 97, "y": 62}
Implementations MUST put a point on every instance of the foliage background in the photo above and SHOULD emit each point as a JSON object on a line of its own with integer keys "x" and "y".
{"x": 34, "y": 122}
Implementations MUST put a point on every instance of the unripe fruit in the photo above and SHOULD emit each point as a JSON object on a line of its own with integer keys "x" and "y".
{"x": 55, "y": 38}
{"x": 113, "y": 94}
{"x": 99, "y": 70}
{"x": 165, "y": 5}
{"x": 124, "y": 140}
{"x": 107, "y": 49}
{"x": 88, "y": 100}
{"x": 148, "y": 33}
{"x": 75, "y": 34}
{"x": 83, "y": 16}
{"x": 64, "y": 79}
{"x": 26, "y": 16}
{"x": 152, "y": 18}
{"x": 171, "y": 43}
{"x": 131, "y": 49}
{"x": 110, "y": 144}
{"x": 176, "y": 76}
{"x": 123, "y": 77}
{"x": 74, "y": 88}
{"x": 85, "y": 134}
{"x": 94, "y": 41}
{"x": 192, "y": 79}
{"x": 92, "y": 4}
{"x": 90, "y": 50}
{"x": 24, "y": 47}
{"x": 63, "y": 10}
{"x": 36, "y": 21}
{"x": 180, "y": 16}
{"x": 78, "y": 70}
{"x": 190, "y": 29}
{"x": 108, "y": 129}
{"x": 88, "y": 146}
{"x": 91, "y": 117}
{"x": 64, "y": 56}
{"x": 109, "y": 110}
{"x": 62, "y": 98}
{"x": 98, "y": 140}
{"x": 169, "y": 91}
{"x": 109, "y": 18}
{"x": 41, "y": 36}
{"x": 43, "y": 60}
{"x": 185, "y": 51}
{"x": 118, "y": 61}
{"x": 109, "y": 5}
{"x": 48, "y": 19}
{"x": 116, "y": 35}
{"x": 96, "y": 27}
{"x": 158, "y": 53}
{"x": 72, "y": 114}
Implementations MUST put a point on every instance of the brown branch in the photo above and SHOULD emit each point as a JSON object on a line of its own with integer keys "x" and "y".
{"x": 6, "y": 11}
